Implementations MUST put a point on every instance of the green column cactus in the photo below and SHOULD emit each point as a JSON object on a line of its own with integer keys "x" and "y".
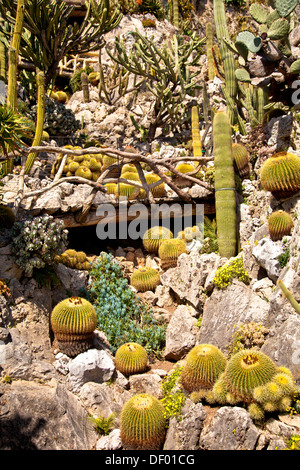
{"x": 203, "y": 366}
{"x": 196, "y": 138}
{"x": 73, "y": 322}
{"x": 40, "y": 80}
{"x": 85, "y": 87}
{"x": 131, "y": 358}
{"x": 288, "y": 295}
{"x": 14, "y": 54}
{"x": 225, "y": 200}
{"x": 227, "y": 55}
{"x": 209, "y": 51}
{"x": 142, "y": 423}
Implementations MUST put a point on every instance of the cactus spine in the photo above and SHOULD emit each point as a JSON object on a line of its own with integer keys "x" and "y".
{"x": 224, "y": 186}
{"x": 40, "y": 79}
{"x": 142, "y": 423}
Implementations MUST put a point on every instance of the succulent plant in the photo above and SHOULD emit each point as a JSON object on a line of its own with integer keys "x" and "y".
{"x": 280, "y": 174}
{"x": 241, "y": 160}
{"x": 280, "y": 223}
{"x": 142, "y": 423}
{"x": 204, "y": 364}
{"x": 74, "y": 259}
{"x": 145, "y": 278}
{"x": 154, "y": 236}
{"x": 37, "y": 241}
{"x": 131, "y": 358}
{"x": 185, "y": 167}
{"x": 246, "y": 370}
{"x": 169, "y": 251}
{"x": 73, "y": 322}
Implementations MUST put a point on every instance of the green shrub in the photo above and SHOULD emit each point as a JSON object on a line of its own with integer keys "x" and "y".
{"x": 232, "y": 269}
{"x": 121, "y": 314}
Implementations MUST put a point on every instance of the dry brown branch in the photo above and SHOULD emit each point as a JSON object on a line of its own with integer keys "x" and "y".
{"x": 154, "y": 163}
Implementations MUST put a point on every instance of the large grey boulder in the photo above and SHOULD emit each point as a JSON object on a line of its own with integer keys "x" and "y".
{"x": 181, "y": 333}
{"x": 266, "y": 253}
{"x": 227, "y": 308}
{"x": 230, "y": 429}
{"x": 91, "y": 366}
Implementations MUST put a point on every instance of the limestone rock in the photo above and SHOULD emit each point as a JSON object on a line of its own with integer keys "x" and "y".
{"x": 226, "y": 308}
{"x": 90, "y": 366}
{"x": 266, "y": 253}
{"x": 181, "y": 333}
{"x": 110, "y": 442}
{"x": 188, "y": 280}
{"x": 230, "y": 429}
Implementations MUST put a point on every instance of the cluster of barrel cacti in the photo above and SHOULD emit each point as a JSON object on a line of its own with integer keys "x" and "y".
{"x": 248, "y": 376}
{"x": 84, "y": 166}
{"x": 74, "y": 259}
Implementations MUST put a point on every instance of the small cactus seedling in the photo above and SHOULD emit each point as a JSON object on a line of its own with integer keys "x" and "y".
{"x": 204, "y": 364}
{"x": 131, "y": 358}
{"x": 73, "y": 322}
{"x": 142, "y": 423}
{"x": 145, "y": 278}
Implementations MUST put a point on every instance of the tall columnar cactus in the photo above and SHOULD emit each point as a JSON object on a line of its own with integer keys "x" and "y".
{"x": 225, "y": 200}
{"x": 40, "y": 80}
{"x": 227, "y": 55}
{"x": 204, "y": 364}
{"x": 142, "y": 424}
{"x": 73, "y": 322}
{"x": 131, "y": 358}
{"x": 85, "y": 87}
{"x": 209, "y": 51}
{"x": 196, "y": 138}
{"x": 14, "y": 54}
{"x": 280, "y": 174}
